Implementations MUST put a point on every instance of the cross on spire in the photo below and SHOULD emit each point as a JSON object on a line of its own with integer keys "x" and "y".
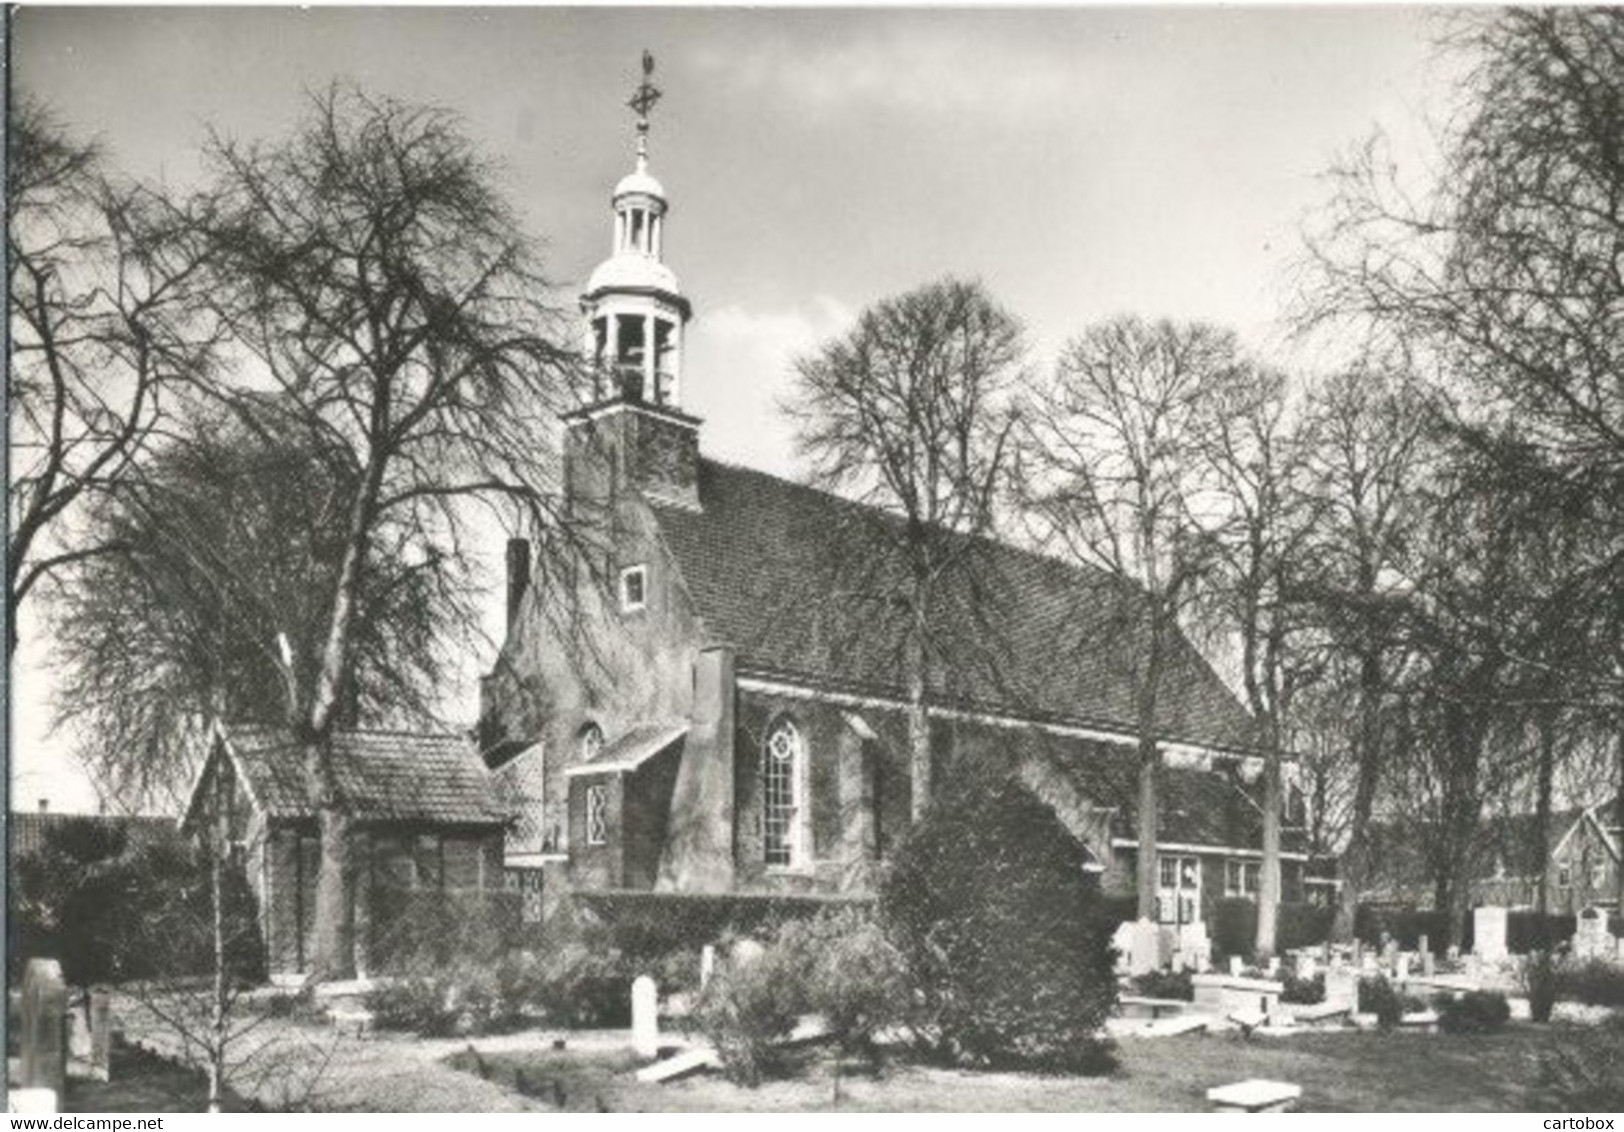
{"x": 643, "y": 100}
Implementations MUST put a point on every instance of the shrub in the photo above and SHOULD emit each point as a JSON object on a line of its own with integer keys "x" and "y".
{"x": 1583, "y": 1069}
{"x": 417, "y": 1003}
{"x": 1541, "y": 976}
{"x": 1001, "y": 930}
{"x": 1378, "y": 996}
{"x": 1302, "y": 925}
{"x": 1527, "y": 931}
{"x": 1164, "y": 984}
{"x": 1234, "y": 926}
{"x": 1595, "y": 982}
{"x": 1304, "y": 992}
{"x": 847, "y": 972}
{"x": 747, "y": 1010}
{"x": 1475, "y": 1012}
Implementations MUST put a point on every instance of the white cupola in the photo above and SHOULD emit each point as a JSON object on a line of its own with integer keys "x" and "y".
{"x": 634, "y": 309}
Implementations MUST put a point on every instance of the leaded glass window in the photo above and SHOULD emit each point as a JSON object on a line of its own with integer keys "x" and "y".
{"x": 597, "y": 814}
{"x": 780, "y": 793}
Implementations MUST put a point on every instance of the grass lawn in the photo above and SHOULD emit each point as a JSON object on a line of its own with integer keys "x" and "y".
{"x": 1340, "y": 1072}
{"x": 143, "y": 1082}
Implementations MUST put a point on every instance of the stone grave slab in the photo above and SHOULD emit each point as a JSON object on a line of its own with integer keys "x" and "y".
{"x": 680, "y": 1065}
{"x": 1255, "y": 1095}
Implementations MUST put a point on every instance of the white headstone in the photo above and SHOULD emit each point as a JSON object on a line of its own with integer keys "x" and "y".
{"x": 1489, "y": 932}
{"x": 1274, "y": 965}
{"x": 1401, "y": 965}
{"x": 1306, "y": 967}
{"x": 1428, "y": 967}
{"x": 1145, "y": 947}
{"x": 707, "y": 965}
{"x": 1342, "y": 987}
{"x": 31, "y": 1100}
{"x": 1236, "y": 964}
{"x": 645, "y": 1017}
{"x": 1591, "y": 939}
{"x": 43, "y": 1042}
{"x": 1122, "y": 940}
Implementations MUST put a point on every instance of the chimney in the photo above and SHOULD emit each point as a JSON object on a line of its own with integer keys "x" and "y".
{"x": 44, "y": 805}
{"x": 518, "y": 576}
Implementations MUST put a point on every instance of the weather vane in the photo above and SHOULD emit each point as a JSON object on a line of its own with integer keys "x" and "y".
{"x": 644, "y": 98}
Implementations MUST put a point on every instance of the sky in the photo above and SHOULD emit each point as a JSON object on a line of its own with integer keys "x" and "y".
{"x": 1082, "y": 163}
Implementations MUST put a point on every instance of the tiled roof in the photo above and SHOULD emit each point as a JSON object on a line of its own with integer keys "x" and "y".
{"x": 801, "y": 583}
{"x": 1197, "y": 806}
{"x": 382, "y": 776}
{"x": 29, "y": 829}
{"x": 519, "y": 787}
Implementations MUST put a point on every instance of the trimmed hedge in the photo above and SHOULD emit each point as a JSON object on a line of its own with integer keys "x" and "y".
{"x": 1475, "y": 1012}
{"x": 1234, "y": 926}
{"x": 650, "y": 925}
{"x": 1526, "y": 930}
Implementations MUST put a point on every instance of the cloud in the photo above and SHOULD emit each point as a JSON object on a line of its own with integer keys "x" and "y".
{"x": 917, "y": 71}
{"x": 739, "y": 375}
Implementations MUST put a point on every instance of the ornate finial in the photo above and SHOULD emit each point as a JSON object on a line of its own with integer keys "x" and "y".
{"x": 643, "y": 100}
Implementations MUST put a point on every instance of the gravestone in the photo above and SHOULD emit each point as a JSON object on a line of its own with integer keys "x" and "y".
{"x": 1342, "y": 987}
{"x": 31, "y": 1100}
{"x": 1367, "y": 962}
{"x": 1591, "y": 939}
{"x": 1122, "y": 943}
{"x": 1423, "y": 946}
{"x": 1453, "y": 953}
{"x": 645, "y": 1017}
{"x": 1194, "y": 947}
{"x": 101, "y": 1034}
{"x": 1401, "y": 965}
{"x": 1389, "y": 951}
{"x": 79, "y": 1032}
{"x": 1274, "y": 966}
{"x": 1427, "y": 964}
{"x": 44, "y": 1040}
{"x": 1337, "y": 961}
{"x": 1236, "y": 965}
{"x": 1306, "y": 967}
{"x": 1489, "y": 932}
{"x": 707, "y": 965}
{"x": 1145, "y": 948}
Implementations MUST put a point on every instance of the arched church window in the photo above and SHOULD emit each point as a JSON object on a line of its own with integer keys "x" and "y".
{"x": 588, "y": 742}
{"x": 783, "y": 808}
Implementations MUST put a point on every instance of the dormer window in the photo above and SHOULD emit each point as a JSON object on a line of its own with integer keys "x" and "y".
{"x": 588, "y": 742}
{"x": 633, "y": 588}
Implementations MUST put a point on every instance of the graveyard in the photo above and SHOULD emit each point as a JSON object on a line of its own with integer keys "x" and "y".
{"x": 1355, "y": 1028}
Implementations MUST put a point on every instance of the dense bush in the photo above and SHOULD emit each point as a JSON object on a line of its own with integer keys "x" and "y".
{"x": 1595, "y": 982}
{"x": 1234, "y": 926}
{"x": 1527, "y": 931}
{"x": 1541, "y": 975}
{"x": 1119, "y": 908}
{"x": 1164, "y": 984}
{"x": 1379, "y": 997}
{"x": 1405, "y": 925}
{"x": 748, "y": 1010}
{"x": 1475, "y": 1012}
{"x": 837, "y": 965}
{"x": 413, "y": 927}
{"x": 1304, "y": 992}
{"x": 111, "y": 914}
{"x": 1582, "y": 1069}
{"x": 1001, "y": 930}
{"x": 465, "y": 997}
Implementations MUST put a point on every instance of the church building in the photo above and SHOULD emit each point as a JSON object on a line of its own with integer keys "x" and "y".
{"x": 698, "y": 705}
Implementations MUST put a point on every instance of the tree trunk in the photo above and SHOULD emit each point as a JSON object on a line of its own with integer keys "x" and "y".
{"x": 334, "y": 944}
{"x": 1149, "y": 781}
{"x": 1368, "y": 760}
{"x": 217, "y": 1020}
{"x": 1268, "y": 897}
{"x": 1545, "y": 776}
{"x": 919, "y": 755}
{"x": 1618, "y": 814}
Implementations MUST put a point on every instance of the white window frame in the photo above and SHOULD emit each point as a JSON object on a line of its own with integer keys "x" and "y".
{"x": 640, "y": 572}
{"x": 597, "y": 813}
{"x": 1564, "y": 876}
{"x": 795, "y": 833}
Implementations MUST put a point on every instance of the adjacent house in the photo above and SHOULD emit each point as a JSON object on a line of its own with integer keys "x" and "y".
{"x": 428, "y": 829}
{"x": 712, "y": 699}
{"x": 1578, "y": 859}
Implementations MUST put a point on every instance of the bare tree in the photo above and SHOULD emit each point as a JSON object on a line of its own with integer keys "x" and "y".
{"x": 1262, "y": 524}
{"x": 1111, "y": 474}
{"x": 1503, "y": 277}
{"x": 106, "y": 323}
{"x": 225, "y": 546}
{"x": 375, "y": 278}
{"x": 1367, "y": 448}
{"x": 911, "y": 412}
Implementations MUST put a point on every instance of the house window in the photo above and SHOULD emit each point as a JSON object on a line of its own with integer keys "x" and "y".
{"x": 597, "y": 814}
{"x": 1564, "y": 876}
{"x": 1242, "y": 878}
{"x": 1598, "y": 876}
{"x": 782, "y": 808}
{"x": 633, "y": 588}
{"x": 1178, "y": 895}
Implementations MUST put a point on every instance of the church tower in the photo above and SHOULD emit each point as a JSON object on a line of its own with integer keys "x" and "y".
{"x": 634, "y": 434}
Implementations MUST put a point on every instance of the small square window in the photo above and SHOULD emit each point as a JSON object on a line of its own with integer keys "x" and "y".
{"x": 633, "y": 588}
{"x": 597, "y": 814}
{"x": 1564, "y": 877}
